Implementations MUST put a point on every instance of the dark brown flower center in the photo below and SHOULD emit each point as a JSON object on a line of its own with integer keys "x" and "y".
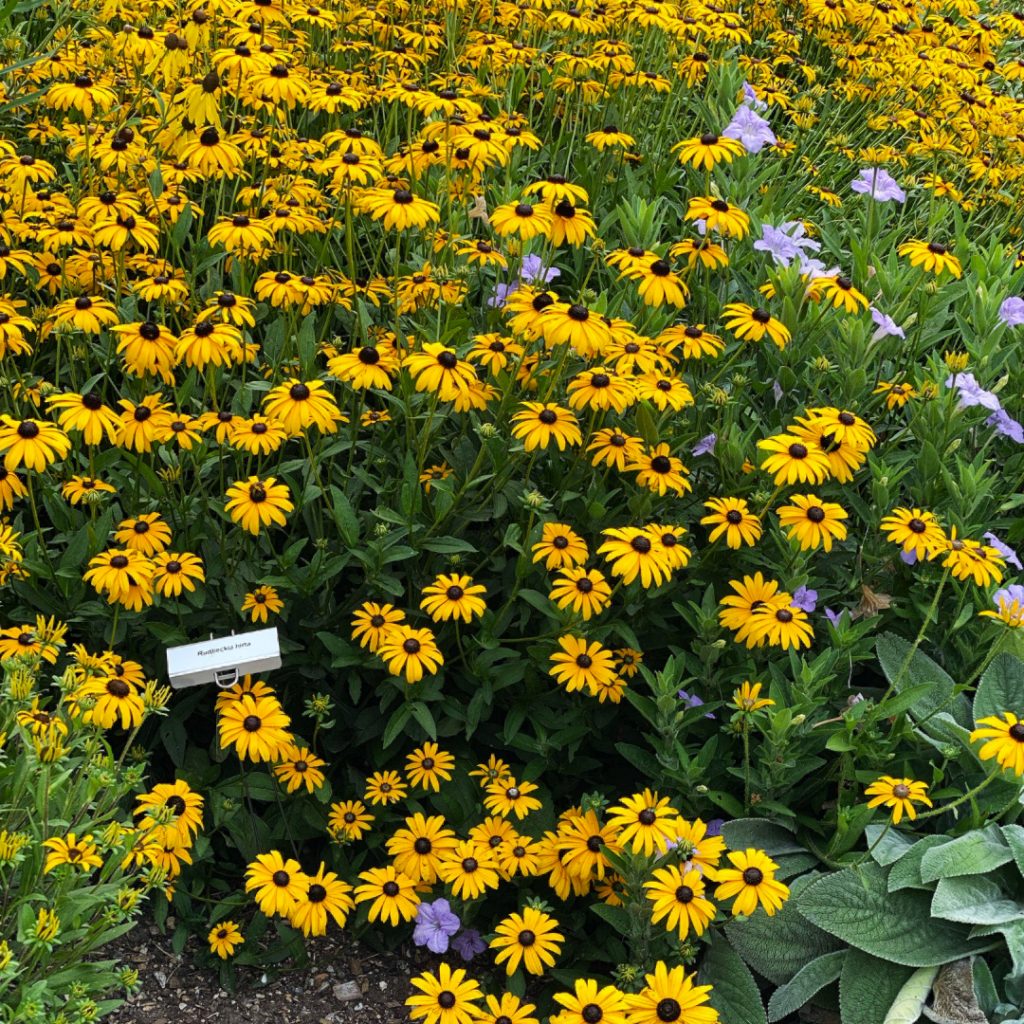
{"x": 252, "y": 723}
{"x": 753, "y": 876}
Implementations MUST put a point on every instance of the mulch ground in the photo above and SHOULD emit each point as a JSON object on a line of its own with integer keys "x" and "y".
{"x": 344, "y": 983}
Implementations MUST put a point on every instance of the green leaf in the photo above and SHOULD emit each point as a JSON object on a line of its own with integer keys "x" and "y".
{"x": 887, "y": 845}
{"x": 778, "y": 947}
{"x": 345, "y": 517}
{"x": 973, "y": 899}
{"x": 617, "y": 917}
{"x": 805, "y": 984}
{"x": 855, "y": 906}
{"x": 1014, "y": 836}
{"x": 893, "y": 652}
{"x": 975, "y": 853}
{"x": 907, "y": 1006}
{"x": 396, "y": 724}
{"x": 735, "y": 994}
{"x": 761, "y": 833}
{"x": 999, "y": 688}
{"x": 422, "y": 714}
{"x": 906, "y": 872}
{"x": 868, "y": 987}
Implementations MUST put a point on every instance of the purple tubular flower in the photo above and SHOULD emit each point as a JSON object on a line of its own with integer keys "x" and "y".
{"x": 879, "y": 184}
{"x": 1011, "y": 556}
{"x": 691, "y": 700}
{"x": 706, "y": 445}
{"x": 749, "y": 128}
{"x": 715, "y": 826}
{"x": 833, "y": 617}
{"x": 532, "y": 271}
{"x": 468, "y": 944}
{"x": 805, "y": 599}
{"x": 910, "y": 557}
{"x": 970, "y": 392}
{"x": 887, "y": 327}
{"x": 501, "y": 294}
{"x": 1011, "y": 312}
{"x": 750, "y": 98}
{"x": 435, "y": 924}
{"x": 1006, "y": 425}
{"x": 786, "y": 243}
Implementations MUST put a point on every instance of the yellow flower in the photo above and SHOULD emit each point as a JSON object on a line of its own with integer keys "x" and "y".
{"x": 748, "y": 698}
{"x": 899, "y": 795}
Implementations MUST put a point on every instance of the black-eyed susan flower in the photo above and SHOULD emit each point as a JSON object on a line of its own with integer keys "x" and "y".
{"x": 969, "y": 559}
{"x": 114, "y": 702}
{"x": 224, "y": 938}
{"x": 299, "y": 768}
{"x": 584, "y": 842}
{"x": 302, "y": 404}
{"x": 116, "y": 571}
{"x": 383, "y": 788}
{"x": 524, "y": 220}
{"x": 143, "y": 424}
{"x": 660, "y": 471}
{"x": 811, "y": 522}
{"x": 256, "y": 727}
{"x": 747, "y": 698}
{"x": 34, "y": 444}
{"x": 255, "y": 504}
{"x": 349, "y": 819}
{"x": 897, "y": 393}
{"x": 793, "y": 459}
{"x": 841, "y": 293}
{"x": 147, "y": 533}
{"x": 719, "y": 215}
{"x": 751, "y": 881}
{"x": 590, "y": 1002}
{"x": 576, "y": 325}
{"x": 508, "y": 796}
{"x": 428, "y": 766}
{"x": 86, "y": 414}
{"x": 754, "y": 324}
{"x": 732, "y": 518}
{"x": 1003, "y": 737}
{"x": 416, "y": 850}
{"x": 932, "y": 257}
{"x": 898, "y": 796}
{"x": 410, "y": 652}
{"x": 780, "y": 626}
{"x": 677, "y": 898}
{"x": 278, "y": 883}
{"x": 368, "y": 366}
{"x": 633, "y": 554}
{"x": 537, "y": 424}
{"x": 324, "y": 896}
{"x": 693, "y": 843}
{"x": 371, "y": 622}
{"x": 703, "y": 152}
{"x": 439, "y": 370}
{"x": 77, "y": 852}
{"x": 645, "y": 822}
{"x": 507, "y": 1007}
{"x": 171, "y": 812}
{"x": 663, "y": 392}
{"x": 585, "y": 591}
{"x": 580, "y": 664}
{"x": 454, "y": 596}
{"x": 530, "y": 938}
{"x": 610, "y": 136}
{"x": 614, "y": 448}
{"x": 400, "y": 209}
{"x": 261, "y": 603}
{"x": 470, "y": 870}
{"x": 560, "y": 547}
{"x": 916, "y": 531}
{"x": 601, "y": 388}
{"x": 448, "y": 997}
{"x": 670, "y": 996}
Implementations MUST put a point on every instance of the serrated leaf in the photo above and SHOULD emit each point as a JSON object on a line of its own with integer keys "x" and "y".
{"x": 999, "y": 688}
{"x": 778, "y": 947}
{"x": 973, "y": 899}
{"x": 805, "y": 984}
{"x": 868, "y": 987}
{"x": 855, "y": 906}
{"x": 975, "y": 853}
{"x": 734, "y": 993}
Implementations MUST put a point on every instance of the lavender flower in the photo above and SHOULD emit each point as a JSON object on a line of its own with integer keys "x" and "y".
{"x": 468, "y": 944}
{"x": 879, "y": 184}
{"x": 777, "y": 391}
{"x": 1006, "y": 425}
{"x": 887, "y": 327}
{"x": 532, "y": 271}
{"x": 970, "y": 392}
{"x": 910, "y": 557}
{"x": 834, "y": 617}
{"x": 501, "y": 294}
{"x": 435, "y": 924}
{"x": 1011, "y": 556}
{"x": 786, "y": 243}
{"x": 750, "y": 129}
{"x": 1011, "y": 312}
{"x": 706, "y": 445}
{"x": 715, "y": 826}
{"x": 750, "y": 98}
{"x": 805, "y": 599}
{"x": 1004, "y": 598}
{"x": 691, "y": 700}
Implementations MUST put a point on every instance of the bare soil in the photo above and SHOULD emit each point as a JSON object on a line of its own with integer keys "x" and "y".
{"x": 343, "y": 984}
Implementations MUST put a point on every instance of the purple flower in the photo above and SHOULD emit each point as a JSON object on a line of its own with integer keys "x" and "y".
{"x": 786, "y": 243}
{"x": 468, "y": 944}
{"x": 1005, "y": 550}
{"x": 1006, "y": 425}
{"x": 909, "y": 557}
{"x": 501, "y": 294}
{"x": 706, "y": 445}
{"x": 435, "y": 924}
{"x": 1004, "y": 598}
{"x": 805, "y": 599}
{"x": 750, "y": 129}
{"x": 1011, "y": 312}
{"x": 750, "y": 97}
{"x": 834, "y": 617}
{"x": 777, "y": 391}
{"x": 970, "y": 392}
{"x": 879, "y": 184}
{"x": 532, "y": 271}
{"x": 715, "y": 826}
{"x": 691, "y": 700}
{"x": 887, "y": 327}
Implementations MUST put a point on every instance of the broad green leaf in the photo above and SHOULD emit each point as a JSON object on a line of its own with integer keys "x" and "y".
{"x": 805, "y": 984}
{"x": 973, "y": 899}
{"x": 868, "y": 987}
{"x": 975, "y": 853}
{"x": 908, "y": 1004}
{"x": 999, "y": 688}
{"x": 762, "y": 834}
{"x": 887, "y": 844}
{"x": 855, "y": 906}
{"x": 893, "y": 653}
{"x": 734, "y": 994}
{"x": 617, "y": 917}
{"x": 778, "y": 947}
{"x": 906, "y": 872}
{"x": 1014, "y": 836}
{"x": 1013, "y": 933}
